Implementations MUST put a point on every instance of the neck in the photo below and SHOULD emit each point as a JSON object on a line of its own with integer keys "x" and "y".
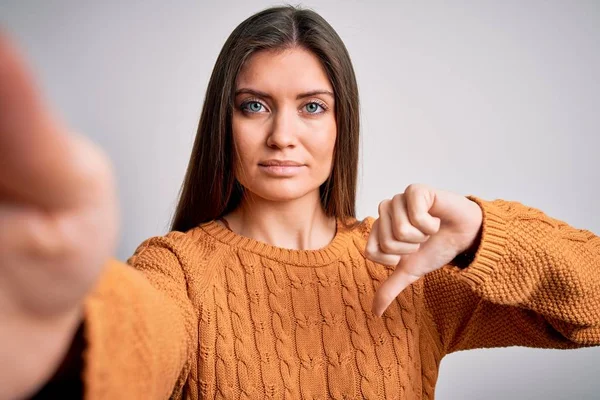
{"x": 299, "y": 224}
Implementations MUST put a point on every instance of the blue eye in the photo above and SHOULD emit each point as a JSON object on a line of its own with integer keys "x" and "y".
{"x": 252, "y": 106}
{"x": 313, "y": 108}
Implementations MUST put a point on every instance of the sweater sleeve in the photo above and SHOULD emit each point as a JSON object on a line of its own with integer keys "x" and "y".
{"x": 534, "y": 281}
{"x": 139, "y": 326}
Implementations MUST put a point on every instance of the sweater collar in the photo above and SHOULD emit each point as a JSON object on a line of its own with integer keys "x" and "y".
{"x": 308, "y": 258}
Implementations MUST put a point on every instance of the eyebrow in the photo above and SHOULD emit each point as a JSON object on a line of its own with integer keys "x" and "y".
{"x": 268, "y": 96}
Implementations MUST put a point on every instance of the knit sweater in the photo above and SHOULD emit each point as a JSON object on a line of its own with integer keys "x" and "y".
{"x": 209, "y": 313}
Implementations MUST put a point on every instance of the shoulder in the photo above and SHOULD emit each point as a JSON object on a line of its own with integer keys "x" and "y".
{"x": 190, "y": 251}
{"x": 182, "y": 244}
{"x": 362, "y": 228}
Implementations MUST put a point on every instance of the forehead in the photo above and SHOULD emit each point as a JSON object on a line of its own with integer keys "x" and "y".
{"x": 294, "y": 70}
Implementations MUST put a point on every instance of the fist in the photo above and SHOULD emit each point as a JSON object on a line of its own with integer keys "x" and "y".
{"x": 58, "y": 227}
{"x": 58, "y": 204}
{"x": 420, "y": 231}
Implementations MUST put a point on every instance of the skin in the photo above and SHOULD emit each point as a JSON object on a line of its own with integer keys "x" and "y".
{"x": 58, "y": 226}
{"x": 418, "y": 230}
{"x": 276, "y": 117}
{"x": 59, "y": 213}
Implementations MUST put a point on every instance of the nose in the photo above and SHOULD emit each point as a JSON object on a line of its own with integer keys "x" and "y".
{"x": 282, "y": 132}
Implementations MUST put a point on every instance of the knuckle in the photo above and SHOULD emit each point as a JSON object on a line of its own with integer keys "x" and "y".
{"x": 398, "y": 198}
{"x": 411, "y": 188}
{"x": 415, "y": 188}
{"x": 386, "y": 245}
{"x": 371, "y": 251}
{"x": 52, "y": 239}
{"x": 418, "y": 218}
{"x": 402, "y": 231}
{"x": 383, "y": 206}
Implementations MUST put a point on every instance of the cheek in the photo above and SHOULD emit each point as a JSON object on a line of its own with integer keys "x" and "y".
{"x": 244, "y": 140}
{"x": 249, "y": 141}
{"x": 324, "y": 142}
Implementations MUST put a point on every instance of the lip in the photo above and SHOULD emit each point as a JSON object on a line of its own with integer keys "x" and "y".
{"x": 280, "y": 163}
{"x": 282, "y": 170}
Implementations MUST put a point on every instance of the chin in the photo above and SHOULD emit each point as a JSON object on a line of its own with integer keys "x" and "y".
{"x": 282, "y": 190}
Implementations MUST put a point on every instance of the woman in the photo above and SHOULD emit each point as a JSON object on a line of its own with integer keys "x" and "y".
{"x": 267, "y": 285}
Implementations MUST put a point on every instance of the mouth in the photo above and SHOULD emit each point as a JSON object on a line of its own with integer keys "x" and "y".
{"x": 280, "y": 163}
{"x": 281, "y": 168}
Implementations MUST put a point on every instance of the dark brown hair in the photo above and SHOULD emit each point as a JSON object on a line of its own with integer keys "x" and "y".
{"x": 210, "y": 189}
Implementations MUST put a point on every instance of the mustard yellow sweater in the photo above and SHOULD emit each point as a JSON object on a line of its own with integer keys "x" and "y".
{"x": 211, "y": 314}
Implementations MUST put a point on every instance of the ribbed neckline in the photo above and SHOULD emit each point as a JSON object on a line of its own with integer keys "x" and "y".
{"x": 309, "y": 258}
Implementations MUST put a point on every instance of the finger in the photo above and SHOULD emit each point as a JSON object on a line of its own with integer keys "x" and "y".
{"x": 432, "y": 255}
{"x": 401, "y": 226}
{"x": 25, "y": 229}
{"x": 373, "y": 251}
{"x": 419, "y": 200}
{"x": 399, "y": 280}
{"x": 39, "y": 162}
{"x": 387, "y": 242}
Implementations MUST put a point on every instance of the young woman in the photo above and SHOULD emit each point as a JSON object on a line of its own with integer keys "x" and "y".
{"x": 267, "y": 285}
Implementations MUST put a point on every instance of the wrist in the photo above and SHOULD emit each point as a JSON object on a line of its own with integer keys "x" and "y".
{"x": 464, "y": 258}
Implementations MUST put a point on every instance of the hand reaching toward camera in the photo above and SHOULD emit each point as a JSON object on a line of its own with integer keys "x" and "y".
{"x": 420, "y": 231}
{"x": 58, "y": 226}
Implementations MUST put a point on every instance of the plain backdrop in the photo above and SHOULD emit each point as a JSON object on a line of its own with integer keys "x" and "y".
{"x": 500, "y": 99}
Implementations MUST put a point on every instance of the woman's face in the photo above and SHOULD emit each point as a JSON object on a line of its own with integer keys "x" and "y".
{"x": 284, "y": 114}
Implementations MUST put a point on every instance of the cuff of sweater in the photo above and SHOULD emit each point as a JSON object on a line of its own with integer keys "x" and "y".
{"x": 492, "y": 245}
{"x": 102, "y": 336}
{"x": 94, "y": 355}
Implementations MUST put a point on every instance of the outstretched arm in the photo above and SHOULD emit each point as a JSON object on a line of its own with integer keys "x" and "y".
{"x": 534, "y": 281}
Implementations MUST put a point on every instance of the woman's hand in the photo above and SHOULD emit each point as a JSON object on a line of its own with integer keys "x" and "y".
{"x": 420, "y": 231}
{"x": 58, "y": 226}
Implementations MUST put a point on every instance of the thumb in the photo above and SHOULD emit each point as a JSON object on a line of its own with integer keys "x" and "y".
{"x": 395, "y": 284}
{"x": 410, "y": 269}
{"x": 40, "y": 162}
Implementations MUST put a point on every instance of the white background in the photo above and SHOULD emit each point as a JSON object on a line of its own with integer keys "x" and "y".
{"x": 496, "y": 99}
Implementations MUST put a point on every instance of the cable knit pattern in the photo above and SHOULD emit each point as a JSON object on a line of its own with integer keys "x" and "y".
{"x": 357, "y": 326}
{"x": 309, "y": 336}
{"x": 238, "y": 301}
{"x": 339, "y": 355}
{"x": 226, "y": 362}
{"x": 211, "y": 314}
{"x": 282, "y": 327}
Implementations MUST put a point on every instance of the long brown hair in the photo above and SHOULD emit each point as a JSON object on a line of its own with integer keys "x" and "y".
{"x": 210, "y": 189}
